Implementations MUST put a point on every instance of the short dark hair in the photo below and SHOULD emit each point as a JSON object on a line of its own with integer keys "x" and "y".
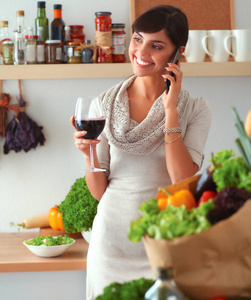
{"x": 167, "y": 17}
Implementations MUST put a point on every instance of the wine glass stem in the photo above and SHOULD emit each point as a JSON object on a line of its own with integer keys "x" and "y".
{"x": 92, "y": 157}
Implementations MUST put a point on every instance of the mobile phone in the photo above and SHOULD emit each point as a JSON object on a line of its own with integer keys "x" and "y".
{"x": 175, "y": 61}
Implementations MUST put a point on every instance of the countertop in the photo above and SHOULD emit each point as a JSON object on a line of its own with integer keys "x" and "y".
{"x": 15, "y": 257}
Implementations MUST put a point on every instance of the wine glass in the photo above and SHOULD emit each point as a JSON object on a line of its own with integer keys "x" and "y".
{"x": 91, "y": 120}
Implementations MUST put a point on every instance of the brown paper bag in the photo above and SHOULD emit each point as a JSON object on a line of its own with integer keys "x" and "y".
{"x": 216, "y": 262}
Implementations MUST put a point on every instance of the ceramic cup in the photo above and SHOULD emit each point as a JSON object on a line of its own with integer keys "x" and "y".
{"x": 241, "y": 44}
{"x": 194, "y": 50}
{"x": 213, "y": 44}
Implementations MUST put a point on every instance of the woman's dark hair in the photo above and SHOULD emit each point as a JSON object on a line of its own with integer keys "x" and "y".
{"x": 167, "y": 17}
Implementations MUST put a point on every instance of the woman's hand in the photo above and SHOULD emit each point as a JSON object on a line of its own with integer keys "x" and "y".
{"x": 81, "y": 143}
{"x": 170, "y": 98}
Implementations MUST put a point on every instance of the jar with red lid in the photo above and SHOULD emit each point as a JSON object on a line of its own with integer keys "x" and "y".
{"x": 76, "y": 33}
{"x": 118, "y": 43}
{"x": 103, "y": 36}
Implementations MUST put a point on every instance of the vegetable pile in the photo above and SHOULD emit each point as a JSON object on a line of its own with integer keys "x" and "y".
{"x": 79, "y": 208}
{"x": 169, "y": 223}
{"x": 49, "y": 241}
{"x": 133, "y": 290}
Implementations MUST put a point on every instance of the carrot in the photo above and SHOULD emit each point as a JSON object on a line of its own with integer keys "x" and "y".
{"x": 36, "y": 221}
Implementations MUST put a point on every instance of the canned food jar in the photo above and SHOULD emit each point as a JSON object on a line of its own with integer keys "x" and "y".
{"x": 53, "y": 52}
{"x": 103, "y": 24}
{"x": 118, "y": 43}
{"x": 74, "y": 56}
{"x": 7, "y": 50}
{"x": 76, "y": 33}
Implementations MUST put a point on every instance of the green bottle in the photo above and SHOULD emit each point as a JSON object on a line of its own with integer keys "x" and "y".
{"x": 41, "y": 20}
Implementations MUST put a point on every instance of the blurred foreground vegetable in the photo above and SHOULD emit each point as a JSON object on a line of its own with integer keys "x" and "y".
{"x": 169, "y": 223}
{"x": 131, "y": 290}
{"x": 79, "y": 208}
{"x": 244, "y": 140}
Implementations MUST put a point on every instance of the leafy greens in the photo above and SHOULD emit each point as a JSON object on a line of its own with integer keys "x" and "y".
{"x": 49, "y": 240}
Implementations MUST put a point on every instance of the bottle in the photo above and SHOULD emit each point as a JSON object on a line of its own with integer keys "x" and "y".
{"x": 103, "y": 36}
{"x": 40, "y": 46}
{"x": 67, "y": 40}
{"x": 20, "y": 21}
{"x": 4, "y": 36}
{"x": 164, "y": 288}
{"x": 30, "y": 47}
{"x": 19, "y": 53}
{"x": 41, "y": 20}
{"x": 87, "y": 53}
{"x": 57, "y": 25}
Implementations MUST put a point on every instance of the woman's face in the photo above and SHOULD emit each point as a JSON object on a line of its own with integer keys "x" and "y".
{"x": 150, "y": 52}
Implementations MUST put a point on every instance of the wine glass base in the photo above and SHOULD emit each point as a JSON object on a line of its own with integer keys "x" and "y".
{"x": 93, "y": 169}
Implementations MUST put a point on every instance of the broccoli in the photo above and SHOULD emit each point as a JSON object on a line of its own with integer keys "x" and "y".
{"x": 79, "y": 208}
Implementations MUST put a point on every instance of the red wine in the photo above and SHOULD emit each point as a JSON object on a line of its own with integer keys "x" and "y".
{"x": 93, "y": 127}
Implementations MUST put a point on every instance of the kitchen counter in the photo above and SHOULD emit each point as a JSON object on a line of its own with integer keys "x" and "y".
{"x": 15, "y": 257}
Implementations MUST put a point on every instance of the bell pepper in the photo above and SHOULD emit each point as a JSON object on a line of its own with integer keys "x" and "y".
{"x": 206, "y": 195}
{"x": 55, "y": 218}
{"x": 182, "y": 197}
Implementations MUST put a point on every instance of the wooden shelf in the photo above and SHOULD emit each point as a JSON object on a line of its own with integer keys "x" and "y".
{"x": 74, "y": 71}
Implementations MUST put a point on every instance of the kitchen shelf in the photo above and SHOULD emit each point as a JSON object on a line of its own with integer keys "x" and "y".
{"x": 121, "y": 70}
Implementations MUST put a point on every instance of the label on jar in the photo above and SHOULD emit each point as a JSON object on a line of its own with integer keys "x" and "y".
{"x": 70, "y": 51}
{"x": 119, "y": 44}
{"x": 77, "y": 53}
{"x": 31, "y": 53}
{"x": 40, "y": 54}
{"x": 59, "y": 53}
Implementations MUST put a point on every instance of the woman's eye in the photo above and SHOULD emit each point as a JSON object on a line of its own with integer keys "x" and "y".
{"x": 136, "y": 39}
{"x": 157, "y": 47}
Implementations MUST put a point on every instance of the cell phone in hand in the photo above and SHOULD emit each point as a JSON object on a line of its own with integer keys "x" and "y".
{"x": 177, "y": 57}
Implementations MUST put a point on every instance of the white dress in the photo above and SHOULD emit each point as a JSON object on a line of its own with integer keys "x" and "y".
{"x": 133, "y": 179}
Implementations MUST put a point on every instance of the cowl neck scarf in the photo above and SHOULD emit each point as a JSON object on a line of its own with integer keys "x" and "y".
{"x": 126, "y": 134}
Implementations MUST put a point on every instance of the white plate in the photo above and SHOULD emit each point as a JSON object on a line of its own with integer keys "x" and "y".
{"x": 48, "y": 251}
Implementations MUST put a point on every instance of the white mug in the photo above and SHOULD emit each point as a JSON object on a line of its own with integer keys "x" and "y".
{"x": 194, "y": 50}
{"x": 241, "y": 44}
{"x": 213, "y": 44}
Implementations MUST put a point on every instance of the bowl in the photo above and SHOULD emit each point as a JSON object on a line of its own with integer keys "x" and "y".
{"x": 48, "y": 251}
{"x": 86, "y": 235}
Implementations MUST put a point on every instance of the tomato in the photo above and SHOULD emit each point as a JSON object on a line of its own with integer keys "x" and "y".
{"x": 55, "y": 218}
{"x": 206, "y": 195}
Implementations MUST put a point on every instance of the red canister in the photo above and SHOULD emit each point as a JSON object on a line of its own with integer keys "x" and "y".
{"x": 76, "y": 33}
{"x": 103, "y": 36}
{"x": 118, "y": 43}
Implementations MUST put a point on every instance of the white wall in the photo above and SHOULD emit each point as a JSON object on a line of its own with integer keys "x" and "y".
{"x": 30, "y": 183}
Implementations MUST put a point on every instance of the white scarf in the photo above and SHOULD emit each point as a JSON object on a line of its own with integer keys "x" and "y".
{"x": 142, "y": 138}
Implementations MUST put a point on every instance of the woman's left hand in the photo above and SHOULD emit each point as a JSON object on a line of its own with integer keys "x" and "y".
{"x": 170, "y": 98}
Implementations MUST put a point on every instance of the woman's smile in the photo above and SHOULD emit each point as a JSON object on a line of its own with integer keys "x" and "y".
{"x": 142, "y": 62}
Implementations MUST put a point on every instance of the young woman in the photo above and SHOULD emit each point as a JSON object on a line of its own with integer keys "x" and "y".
{"x": 151, "y": 138}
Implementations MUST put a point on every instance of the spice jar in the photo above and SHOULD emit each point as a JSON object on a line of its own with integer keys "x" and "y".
{"x": 118, "y": 43}
{"x": 87, "y": 53}
{"x": 53, "y": 52}
{"x": 74, "y": 56}
{"x": 7, "y": 49}
{"x": 103, "y": 37}
{"x": 76, "y": 33}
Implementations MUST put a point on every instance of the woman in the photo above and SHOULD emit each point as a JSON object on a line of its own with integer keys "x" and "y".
{"x": 151, "y": 139}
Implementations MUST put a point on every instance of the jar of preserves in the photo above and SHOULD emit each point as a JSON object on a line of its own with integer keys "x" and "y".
{"x": 103, "y": 37}
{"x": 74, "y": 56}
{"x": 118, "y": 43}
{"x": 7, "y": 49}
{"x": 76, "y": 33}
{"x": 53, "y": 52}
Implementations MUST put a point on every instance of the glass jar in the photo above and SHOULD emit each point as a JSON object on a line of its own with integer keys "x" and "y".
{"x": 118, "y": 43}
{"x": 87, "y": 53}
{"x": 7, "y": 49}
{"x": 53, "y": 52}
{"x": 103, "y": 24}
{"x": 74, "y": 56}
{"x": 76, "y": 33}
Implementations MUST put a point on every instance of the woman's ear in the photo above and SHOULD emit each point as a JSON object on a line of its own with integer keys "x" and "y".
{"x": 182, "y": 49}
